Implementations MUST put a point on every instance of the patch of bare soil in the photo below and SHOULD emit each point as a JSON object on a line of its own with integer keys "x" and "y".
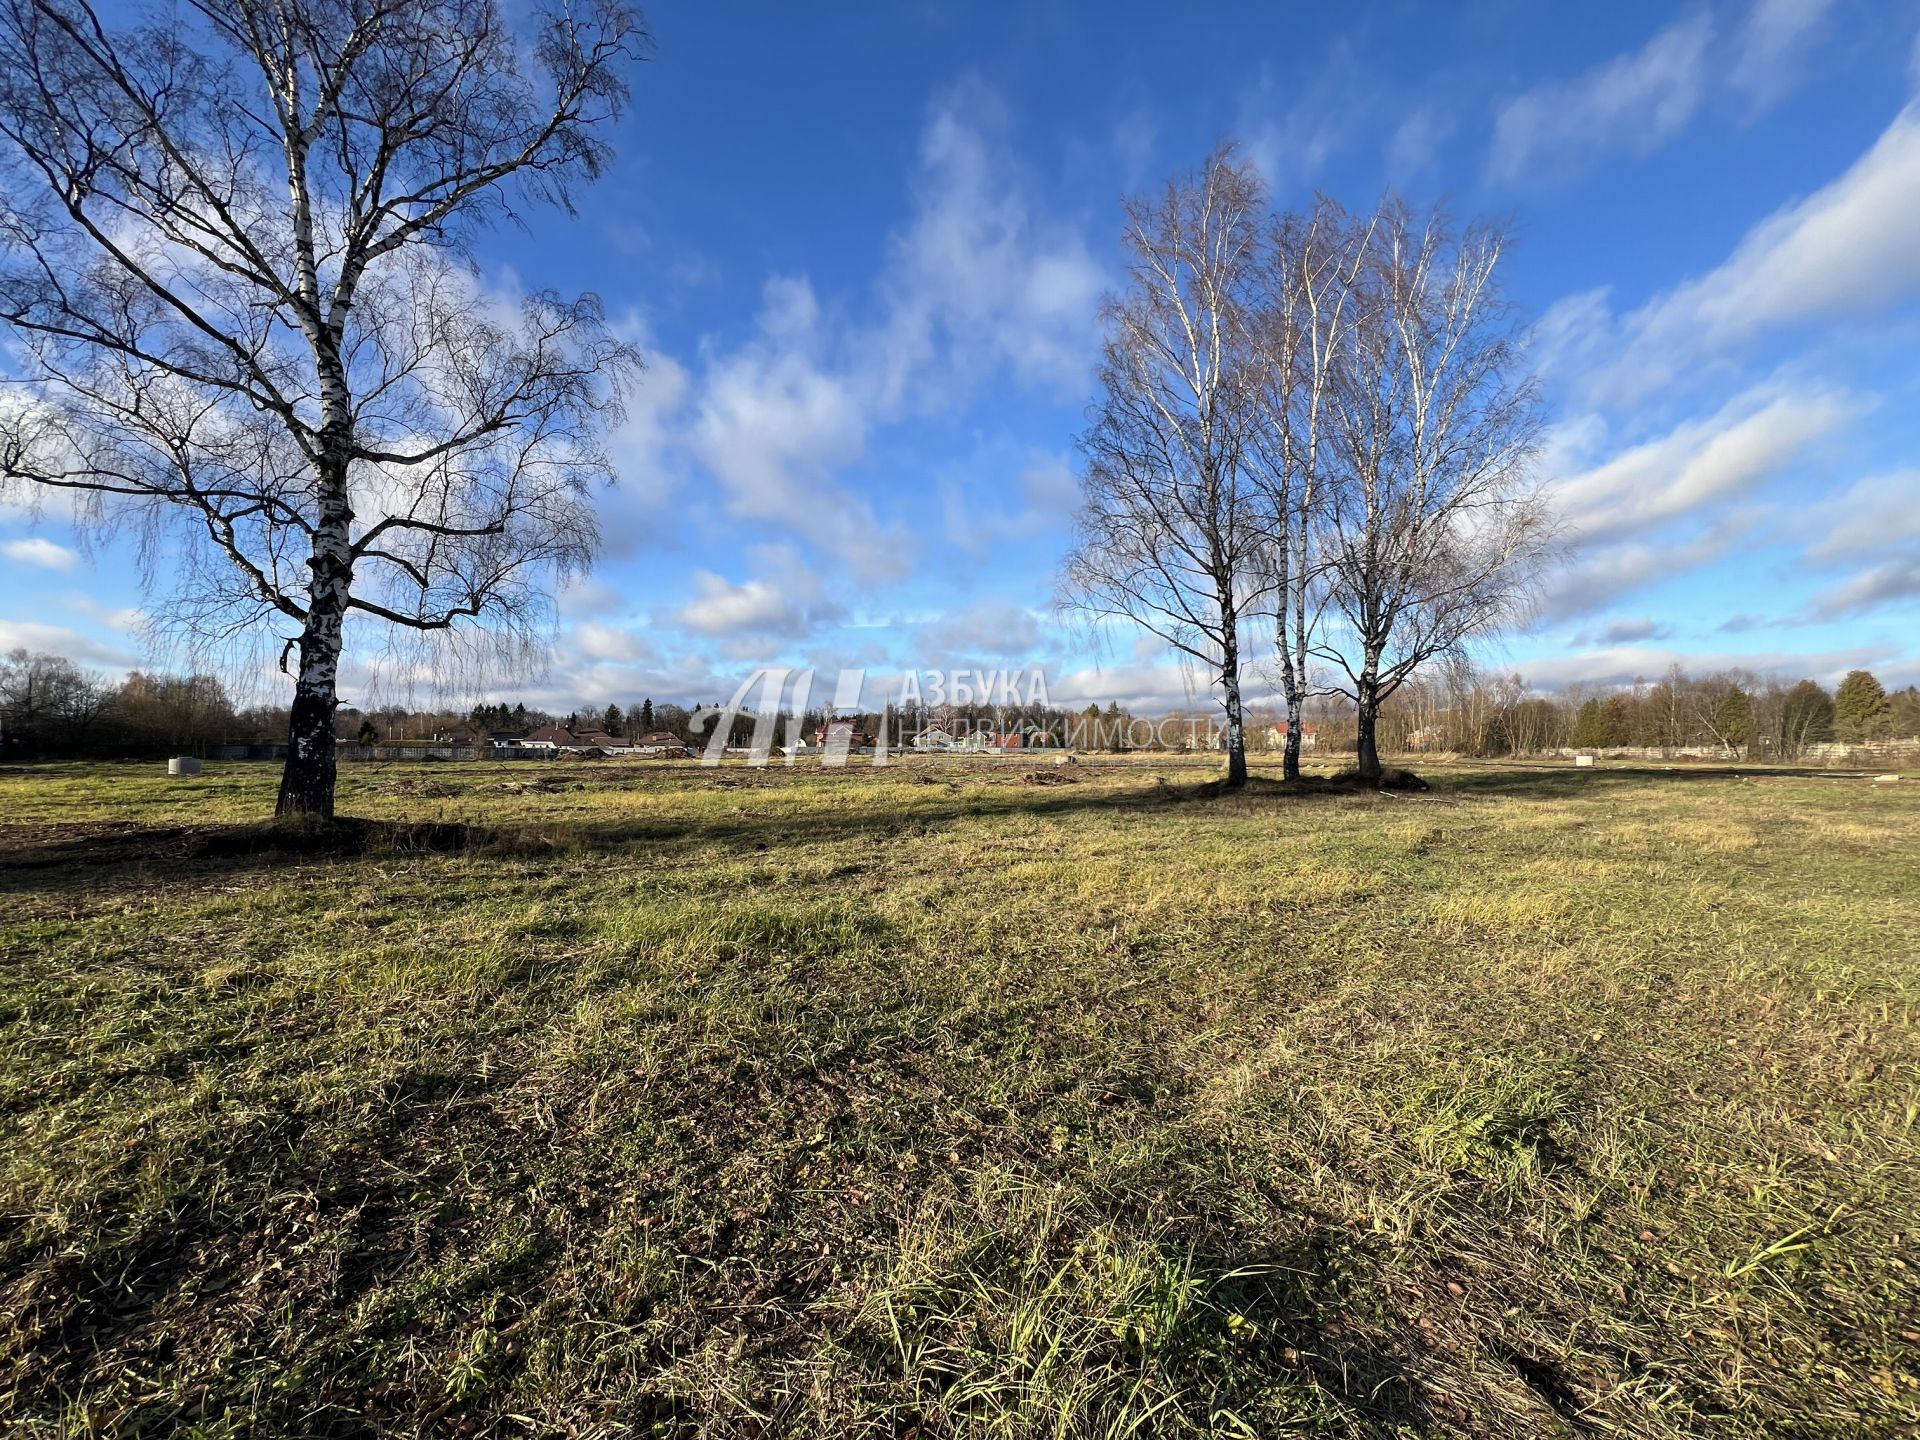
{"x": 539, "y": 787}
{"x": 1049, "y": 777}
{"x": 419, "y": 789}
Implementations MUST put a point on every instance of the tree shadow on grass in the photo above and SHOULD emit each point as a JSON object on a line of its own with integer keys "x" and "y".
{"x": 89, "y": 855}
{"x": 92, "y": 856}
{"x": 1568, "y": 782}
{"x": 96, "y": 855}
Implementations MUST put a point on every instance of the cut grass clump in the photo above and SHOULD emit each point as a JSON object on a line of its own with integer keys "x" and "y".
{"x": 1013, "y": 1313}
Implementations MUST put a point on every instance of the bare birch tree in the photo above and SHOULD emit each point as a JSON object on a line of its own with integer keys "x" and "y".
{"x": 1169, "y": 528}
{"x": 233, "y": 249}
{"x": 1310, "y": 273}
{"x": 1433, "y": 527}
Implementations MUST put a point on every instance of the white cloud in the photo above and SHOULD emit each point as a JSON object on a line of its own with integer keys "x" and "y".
{"x": 645, "y": 449}
{"x": 1416, "y": 141}
{"x": 721, "y": 607}
{"x": 1575, "y": 334}
{"x": 1290, "y": 134}
{"x": 1878, "y": 513}
{"x": 587, "y": 596}
{"x": 599, "y": 641}
{"x": 1681, "y": 501}
{"x": 1774, "y": 37}
{"x": 775, "y": 421}
{"x": 787, "y": 600}
{"x": 1141, "y": 689}
{"x": 1626, "y": 632}
{"x": 979, "y": 280}
{"x": 38, "y": 551}
{"x": 770, "y": 419}
{"x": 1603, "y": 573}
{"x": 59, "y": 640}
{"x": 986, "y": 629}
{"x": 976, "y": 520}
{"x": 128, "y": 619}
{"x": 1135, "y": 138}
{"x": 1724, "y": 457}
{"x": 1896, "y": 580}
{"x": 1847, "y": 249}
{"x": 980, "y": 272}
{"x": 1624, "y": 664}
{"x": 1635, "y": 101}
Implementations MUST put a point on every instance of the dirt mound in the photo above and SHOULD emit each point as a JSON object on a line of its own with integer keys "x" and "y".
{"x": 539, "y": 787}
{"x": 1049, "y": 777}
{"x": 419, "y": 789}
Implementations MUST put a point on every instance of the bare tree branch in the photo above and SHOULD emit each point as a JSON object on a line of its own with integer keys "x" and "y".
{"x": 1168, "y": 527}
{"x": 231, "y": 252}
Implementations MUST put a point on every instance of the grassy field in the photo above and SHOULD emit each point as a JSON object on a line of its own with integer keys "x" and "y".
{"x": 959, "y": 1100}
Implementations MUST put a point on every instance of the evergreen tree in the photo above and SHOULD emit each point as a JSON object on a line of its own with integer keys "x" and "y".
{"x": 1590, "y": 727}
{"x": 1620, "y": 715}
{"x": 368, "y": 735}
{"x": 1733, "y": 717}
{"x": 646, "y": 716}
{"x": 613, "y": 722}
{"x": 1860, "y": 708}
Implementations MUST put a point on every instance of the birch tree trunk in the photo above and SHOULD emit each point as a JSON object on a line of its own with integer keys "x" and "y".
{"x": 1434, "y": 525}
{"x": 1367, "y": 722}
{"x": 1230, "y": 687}
{"x": 1171, "y": 535}
{"x": 307, "y": 781}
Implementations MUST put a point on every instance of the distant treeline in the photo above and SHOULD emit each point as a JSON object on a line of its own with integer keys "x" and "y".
{"x": 51, "y": 708}
{"x": 1731, "y": 712}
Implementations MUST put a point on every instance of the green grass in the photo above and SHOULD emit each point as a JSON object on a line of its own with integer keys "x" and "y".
{"x": 935, "y": 1102}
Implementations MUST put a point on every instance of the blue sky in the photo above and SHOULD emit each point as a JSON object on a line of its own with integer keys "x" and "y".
{"x": 862, "y": 248}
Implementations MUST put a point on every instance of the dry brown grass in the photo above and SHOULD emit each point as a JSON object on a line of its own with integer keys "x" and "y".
{"x": 645, "y": 1099}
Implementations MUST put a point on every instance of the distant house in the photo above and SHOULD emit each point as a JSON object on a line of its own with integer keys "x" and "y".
{"x": 549, "y": 737}
{"x": 934, "y": 737}
{"x": 454, "y": 735}
{"x": 576, "y": 742}
{"x": 1277, "y": 736}
{"x": 843, "y": 732}
{"x": 1031, "y": 738}
{"x": 504, "y": 739}
{"x": 658, "y": 742}
{"x": 599, "y": 740}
